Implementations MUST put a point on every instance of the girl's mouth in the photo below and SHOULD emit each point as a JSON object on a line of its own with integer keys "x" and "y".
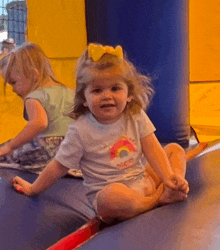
{"x": 107, "y": 106}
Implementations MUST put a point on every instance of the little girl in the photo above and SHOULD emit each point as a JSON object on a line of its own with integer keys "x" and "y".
{"x": 108, "y": 138}
{"x": 28, "y": 71}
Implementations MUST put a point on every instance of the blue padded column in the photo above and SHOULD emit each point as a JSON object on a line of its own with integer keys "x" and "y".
{"x": 154, "y": 34}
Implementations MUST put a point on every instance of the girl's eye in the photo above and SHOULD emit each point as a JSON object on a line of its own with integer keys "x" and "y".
{"x": 115, "y": 88}
{"x": 96, "y": 91}
{"x": 12, "y": 82}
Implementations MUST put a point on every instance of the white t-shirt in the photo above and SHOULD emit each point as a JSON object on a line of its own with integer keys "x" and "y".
{"x": 106, "y": 153}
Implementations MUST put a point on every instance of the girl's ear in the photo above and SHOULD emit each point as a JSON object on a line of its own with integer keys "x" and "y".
{"x": 85, "y": 104}
{"x": 129, "y": 98}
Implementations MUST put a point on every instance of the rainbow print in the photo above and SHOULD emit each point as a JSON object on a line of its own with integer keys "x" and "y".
{"x": 122, "y": 148}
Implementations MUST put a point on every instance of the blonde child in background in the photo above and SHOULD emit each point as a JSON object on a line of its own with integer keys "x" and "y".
{"x": 108, "y": 139}
{"x": 46, "y": 100}
{"x": 7, "y": 46}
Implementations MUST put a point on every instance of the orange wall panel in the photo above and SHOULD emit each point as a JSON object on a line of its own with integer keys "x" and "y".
{"x": 204, "y": 41}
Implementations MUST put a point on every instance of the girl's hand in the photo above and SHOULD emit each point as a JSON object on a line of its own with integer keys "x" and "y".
{"x": 5, "y": 150}
{"x": 177, "y": 182}
{"x": 22, "y": 186}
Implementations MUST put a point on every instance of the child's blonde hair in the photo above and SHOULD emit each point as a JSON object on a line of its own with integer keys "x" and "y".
{"x": 25, "y": 59}
{"x": 87, "y": 70}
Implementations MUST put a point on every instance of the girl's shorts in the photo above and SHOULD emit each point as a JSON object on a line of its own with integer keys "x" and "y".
{"x": 34, "y": 155}
{"x": 145, "y": 186}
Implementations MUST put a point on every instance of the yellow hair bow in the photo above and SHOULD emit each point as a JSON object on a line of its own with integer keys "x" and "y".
{"x": 97, "y": 51}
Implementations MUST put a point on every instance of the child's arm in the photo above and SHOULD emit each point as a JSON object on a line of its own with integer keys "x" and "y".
{"x": 47, "y": 178}
{"x": 159, "y": 161}
{"x": 38, "y": 121}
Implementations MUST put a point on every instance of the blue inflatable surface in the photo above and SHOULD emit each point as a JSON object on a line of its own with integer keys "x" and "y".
{"x": 37, "y": 223}
{"x": 191, "y": 224}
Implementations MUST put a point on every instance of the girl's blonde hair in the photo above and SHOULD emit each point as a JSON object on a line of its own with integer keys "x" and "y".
{"x": 26, "y": 58}
{"x": 87, "y": 70}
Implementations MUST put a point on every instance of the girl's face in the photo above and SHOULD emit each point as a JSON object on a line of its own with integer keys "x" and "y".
{"x": 21, "y": 85}
{"x": 107, "y": 98}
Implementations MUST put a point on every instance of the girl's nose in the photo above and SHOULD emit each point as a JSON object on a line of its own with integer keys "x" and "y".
{"x": 107, "y": 94}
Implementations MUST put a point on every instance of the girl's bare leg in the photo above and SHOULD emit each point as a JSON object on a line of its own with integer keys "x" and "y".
{"x": 117, "y": 201}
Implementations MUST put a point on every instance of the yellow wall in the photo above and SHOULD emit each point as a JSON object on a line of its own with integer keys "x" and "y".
{"x": 59, "y": 28}
{"x": 204, "y": 40}
{"x": 11, "y": 121}
{"x": 205, "y": 68}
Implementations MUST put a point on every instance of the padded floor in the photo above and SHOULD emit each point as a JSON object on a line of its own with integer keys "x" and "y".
{"x": 191, "y": 224}
{"x": 37, "y": 223}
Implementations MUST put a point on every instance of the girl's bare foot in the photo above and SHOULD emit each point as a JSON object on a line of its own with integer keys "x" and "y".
{"x": 169, "y": 196}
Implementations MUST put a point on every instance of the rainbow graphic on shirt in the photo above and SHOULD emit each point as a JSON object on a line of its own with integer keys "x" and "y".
{"x": 122, "y": 148}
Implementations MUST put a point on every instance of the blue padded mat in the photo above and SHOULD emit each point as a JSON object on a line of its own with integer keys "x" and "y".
{"x": 37, "y": 223}
{"x": 188, "y": 225}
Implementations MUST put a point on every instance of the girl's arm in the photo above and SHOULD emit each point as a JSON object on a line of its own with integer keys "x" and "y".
{"x": 47, "y": 178}
{"x": 38, "y": 121}
{"x": 157, "y": 159}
